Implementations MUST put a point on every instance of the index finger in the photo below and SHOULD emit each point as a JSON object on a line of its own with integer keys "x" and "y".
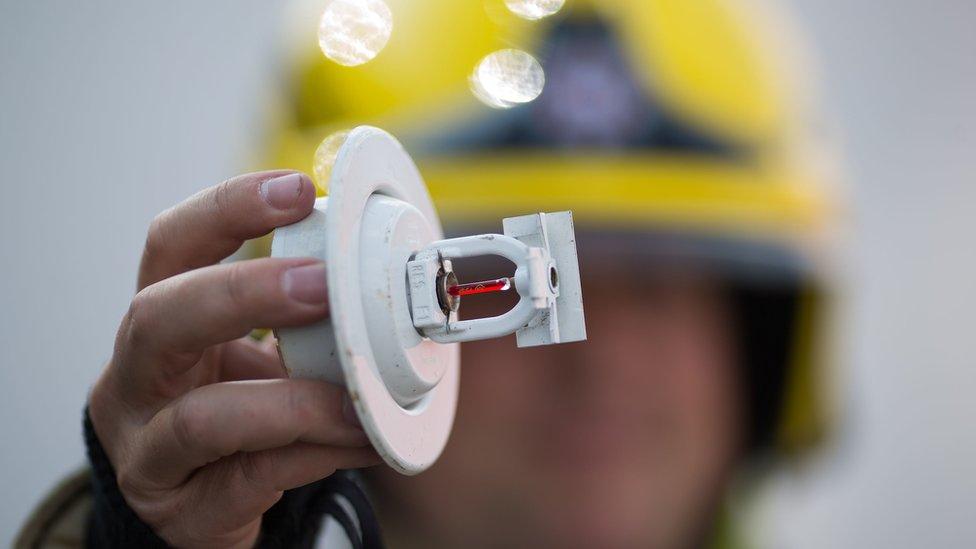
{"x": 214, "y": 223}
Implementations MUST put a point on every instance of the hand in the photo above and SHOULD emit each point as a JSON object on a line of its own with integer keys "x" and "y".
{"x": 203, "y": 428}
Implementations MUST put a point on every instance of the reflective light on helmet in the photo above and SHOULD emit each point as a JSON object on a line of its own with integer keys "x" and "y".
{"x": 507, "y": 78}
{"x": 325, "y": 158}
{"x": 534, "y": 9}
{"x": 353, "y": 32}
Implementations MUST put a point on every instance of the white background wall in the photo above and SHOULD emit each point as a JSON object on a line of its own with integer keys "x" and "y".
{"x": 112, "y": 111}
{"x": 901, "y": 79}
{"x": 109, "y": 113}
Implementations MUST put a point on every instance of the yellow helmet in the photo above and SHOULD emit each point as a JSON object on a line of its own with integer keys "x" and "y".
{"x": 698, "y": 124}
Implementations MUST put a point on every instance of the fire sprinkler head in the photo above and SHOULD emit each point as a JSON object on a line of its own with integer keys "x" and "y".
{"x": 392, "y": 336}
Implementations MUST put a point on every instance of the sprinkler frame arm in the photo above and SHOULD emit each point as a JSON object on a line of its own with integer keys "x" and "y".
{"x": 542, "y": 247}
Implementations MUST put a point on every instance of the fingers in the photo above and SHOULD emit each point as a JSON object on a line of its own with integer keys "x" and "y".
{"x": 212, "y": 224}
{"x": 219, "y": 420}
{"x": 250, "y": 359}
{"x": 298, "y": 464}
{"x": 170, "y": 323}
{"x": 269, "y": 343}
{"x": 246, "y": 485}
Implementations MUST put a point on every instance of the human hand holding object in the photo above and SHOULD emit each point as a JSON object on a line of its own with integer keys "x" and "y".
{"x": 203, "y": 428}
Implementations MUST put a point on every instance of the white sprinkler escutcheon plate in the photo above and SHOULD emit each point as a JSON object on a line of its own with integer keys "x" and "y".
{"x": 378, "y": 214}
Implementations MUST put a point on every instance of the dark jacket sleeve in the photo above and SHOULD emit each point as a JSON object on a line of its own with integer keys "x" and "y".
{"x": 292, "y": 522}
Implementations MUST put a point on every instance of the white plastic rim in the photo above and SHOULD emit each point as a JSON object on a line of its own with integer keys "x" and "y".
{"x": 403, "y": 387}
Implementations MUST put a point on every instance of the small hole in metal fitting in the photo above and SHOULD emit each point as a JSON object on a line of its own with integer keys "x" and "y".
{"x": 553, "y": 278}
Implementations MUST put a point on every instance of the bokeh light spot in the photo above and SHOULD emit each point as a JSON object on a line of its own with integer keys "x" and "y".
{"x": 507, "y": 78}
{"x": 353, "y": 32}
{"x": 325, "y": 159}
{"x": 534, "y": 9}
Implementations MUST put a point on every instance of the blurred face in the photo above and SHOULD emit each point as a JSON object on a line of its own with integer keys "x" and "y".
{"x": 624, "y": 440}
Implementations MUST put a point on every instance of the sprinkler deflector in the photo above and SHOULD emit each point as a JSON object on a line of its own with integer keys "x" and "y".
{"x": 393, "y": 332}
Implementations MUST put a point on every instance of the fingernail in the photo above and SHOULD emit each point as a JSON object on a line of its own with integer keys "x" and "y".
{"x": 306, "y": 283}
{"x": 349, "y": 412}
{"x": 283, "y": 192}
